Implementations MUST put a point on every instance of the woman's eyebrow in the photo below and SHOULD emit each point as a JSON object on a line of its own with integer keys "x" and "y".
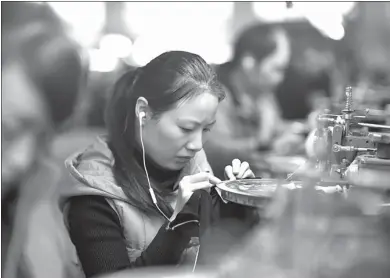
{"x": 194, "y": 121}
{"x": 212, "y": 123}
{"x": 187, "y": 120}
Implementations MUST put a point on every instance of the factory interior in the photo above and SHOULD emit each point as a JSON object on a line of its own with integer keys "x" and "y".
{"x": 195, "y": 139}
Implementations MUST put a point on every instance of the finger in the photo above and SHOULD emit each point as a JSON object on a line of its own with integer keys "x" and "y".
{"x": 214, "y": 180}
{"x": 229, "y": 172}
{"x": 200, "y": 185}
{"x": 202, "y": 176}
{"x": 236, "y": 166}
{"x": 243, "y": 168}
{"x": 248, "y": 174}
{"x": 180, "y": 204}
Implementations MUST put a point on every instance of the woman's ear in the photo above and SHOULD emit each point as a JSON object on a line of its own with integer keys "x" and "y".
{"x": 141, "y": 106}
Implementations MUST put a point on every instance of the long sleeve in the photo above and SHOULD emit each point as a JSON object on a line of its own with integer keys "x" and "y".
{"x": 96, "y": 232}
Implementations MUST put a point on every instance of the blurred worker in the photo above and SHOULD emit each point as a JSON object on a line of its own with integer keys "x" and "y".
{"x": 309, "y": 78}
{"x": 41, "y": 73}
{"x": 250, "y": 119}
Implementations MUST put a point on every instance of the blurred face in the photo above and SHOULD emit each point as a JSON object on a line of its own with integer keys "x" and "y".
{"x": 314, "y": 61}
{"x": 268, "y": 73}
{"x": 177, "y": 135}
{"x": 23, "y": 120}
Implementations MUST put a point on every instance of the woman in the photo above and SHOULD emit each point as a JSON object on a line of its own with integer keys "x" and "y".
{"x": 140, "y": 195}
{"x": 42, "y": 71}
{"x": 250, "y": 119}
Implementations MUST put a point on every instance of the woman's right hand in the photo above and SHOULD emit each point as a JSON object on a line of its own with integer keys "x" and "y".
{"x": 188, "y": 185}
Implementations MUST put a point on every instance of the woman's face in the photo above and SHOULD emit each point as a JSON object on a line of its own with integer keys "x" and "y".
{"x": 24, "y": 117}
{"x": 177, "y": 135}
{"x": 268, "y": 73}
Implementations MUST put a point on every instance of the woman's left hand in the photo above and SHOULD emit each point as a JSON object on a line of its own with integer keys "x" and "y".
{"x": 238, "y": 170}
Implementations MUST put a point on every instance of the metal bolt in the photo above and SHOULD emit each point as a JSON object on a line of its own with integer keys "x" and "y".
{"x": 348, "y": 103}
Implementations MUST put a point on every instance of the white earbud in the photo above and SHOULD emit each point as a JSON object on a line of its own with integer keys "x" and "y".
{"x": 141, "y": 116}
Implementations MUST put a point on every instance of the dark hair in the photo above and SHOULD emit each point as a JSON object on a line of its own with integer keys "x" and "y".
{"x": 257, "y": 40}
{"x": 34, "y": 35}
{"x": 165, "y": 81}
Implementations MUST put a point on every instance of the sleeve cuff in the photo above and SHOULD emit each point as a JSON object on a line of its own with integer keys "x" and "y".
{"x": 176, "y": 224}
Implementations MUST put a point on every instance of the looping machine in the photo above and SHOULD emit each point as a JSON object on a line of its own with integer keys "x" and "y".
{"x": 348, "y": 141}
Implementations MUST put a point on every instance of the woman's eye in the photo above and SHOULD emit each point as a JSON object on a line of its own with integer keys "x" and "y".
{"x": 206, "y": 130}
{"x": 187, "y": 130}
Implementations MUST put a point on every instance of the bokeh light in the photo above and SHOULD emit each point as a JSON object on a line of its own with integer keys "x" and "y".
{"x": 118, "y": 45}
{"x": 85, "y": 19}
{"x": 200, "y": 27}
{"x": 327, "y": 17}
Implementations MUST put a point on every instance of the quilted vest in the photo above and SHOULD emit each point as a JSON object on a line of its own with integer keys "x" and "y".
{"x": 91, "y": 174}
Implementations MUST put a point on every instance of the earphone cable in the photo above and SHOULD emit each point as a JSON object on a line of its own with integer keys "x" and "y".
{"x": 147, "y": 175}
{"x": 152, "y": 192}
{"x": 196, "y": 259}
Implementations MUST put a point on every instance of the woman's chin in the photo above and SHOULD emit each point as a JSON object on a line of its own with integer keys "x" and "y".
{"x": 173, "y": 164}
{"x": 176, "y": 164}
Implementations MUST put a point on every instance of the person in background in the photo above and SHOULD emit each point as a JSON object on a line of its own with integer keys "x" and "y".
{"x": 139, "y": 196}
{"x": 308, "y": 84}
{"x": 98, "y": 94}
{"x": 42, "y": 70}
{"x": 250, "y": 119}
{"x": 315, "y": 74}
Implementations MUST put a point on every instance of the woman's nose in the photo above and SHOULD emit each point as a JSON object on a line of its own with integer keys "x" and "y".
{"x": 196, "y": 143}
